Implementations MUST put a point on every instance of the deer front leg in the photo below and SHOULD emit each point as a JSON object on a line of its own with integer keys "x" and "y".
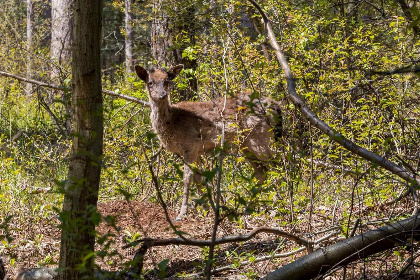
{"x": 188, "y": 177}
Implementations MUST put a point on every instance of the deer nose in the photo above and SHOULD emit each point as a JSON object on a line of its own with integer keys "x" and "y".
{"x": 157, "y": 94}
{"x": 162, "y": 94}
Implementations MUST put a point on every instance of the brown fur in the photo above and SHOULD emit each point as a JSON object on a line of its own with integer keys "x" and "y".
{"x": 192, "y": 129}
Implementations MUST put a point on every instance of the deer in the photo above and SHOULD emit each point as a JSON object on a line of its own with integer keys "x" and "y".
{"x": 192, "y": 129}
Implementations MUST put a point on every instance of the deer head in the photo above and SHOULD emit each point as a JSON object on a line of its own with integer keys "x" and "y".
{"x": 158, "y": 81}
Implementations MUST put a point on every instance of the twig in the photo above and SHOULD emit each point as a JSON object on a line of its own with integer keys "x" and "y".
{"x": 261, "y": 259}
{"x": 52, "y": 115}
{"x": 336, "y": 167}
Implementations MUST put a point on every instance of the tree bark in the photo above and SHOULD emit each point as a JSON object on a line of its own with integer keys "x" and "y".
{"x": 61, "y": 33}
{"x": 79, "y": 215}
{"x": 161, "y": 36}
{"x": 342, "y": 253}
{"x": 186, "y": 24}
{"x": 129, "y": 37}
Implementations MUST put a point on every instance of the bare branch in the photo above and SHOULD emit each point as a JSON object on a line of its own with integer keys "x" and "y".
{"x": 31, "y": 81}
{"x": 402, "y": 70}
{"x": 52, "y": 86}
{"x": 150, "y": 242}
{"x": 147, "y": 243}
{"x": 126, "y": 97}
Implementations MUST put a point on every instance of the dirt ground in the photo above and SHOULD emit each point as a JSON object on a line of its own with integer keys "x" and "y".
{"x": 136, "y": 220}
{"x": 150, "y": 221}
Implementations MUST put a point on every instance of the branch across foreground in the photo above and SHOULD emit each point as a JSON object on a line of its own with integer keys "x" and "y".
{"x": 412, "y": 179}
{"x": 148, "y": 243}
{"x": 62, "y": 88}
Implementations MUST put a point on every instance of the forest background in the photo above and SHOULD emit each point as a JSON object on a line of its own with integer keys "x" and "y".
{"x": 355, "y": 64}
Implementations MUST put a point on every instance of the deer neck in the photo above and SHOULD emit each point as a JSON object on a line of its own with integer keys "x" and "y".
{"x": 160, "y": 114}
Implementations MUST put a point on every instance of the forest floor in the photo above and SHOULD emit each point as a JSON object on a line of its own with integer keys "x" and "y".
{"x": 145, "y": 219}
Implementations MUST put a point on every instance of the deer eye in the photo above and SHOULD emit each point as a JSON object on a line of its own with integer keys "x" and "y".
{"x": 150, "y": 83}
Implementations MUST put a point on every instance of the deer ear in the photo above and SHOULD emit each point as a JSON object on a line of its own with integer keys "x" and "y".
{"x": 175, "y": 70}
{"x": 141, "y": 72}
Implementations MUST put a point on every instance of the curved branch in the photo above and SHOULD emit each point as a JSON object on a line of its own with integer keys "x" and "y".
{"x": 147, "y": 243}
{"x": 151, "y": 242}
{"x": 52, "y": 86}
{"x": 400, "y": 171}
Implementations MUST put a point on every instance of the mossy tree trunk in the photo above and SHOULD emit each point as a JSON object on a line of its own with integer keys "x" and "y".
{"x": 79, "y": 215}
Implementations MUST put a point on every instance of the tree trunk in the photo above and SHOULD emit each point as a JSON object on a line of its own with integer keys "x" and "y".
{"x": 164, "y": 29}
{"x": 61, "y": 34}
{"x": 186, "y": 25}
{"x": 79, "y": 215}
{"x": 161, "y": 36}
{"x": 29, "y": 44}
{"x": 129, "y": 37}
{"x": 61, "y": 41}
{"x": 342, "y": 253}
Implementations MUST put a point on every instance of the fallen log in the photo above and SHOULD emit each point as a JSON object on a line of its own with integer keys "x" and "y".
{"x": 359, "y": 247}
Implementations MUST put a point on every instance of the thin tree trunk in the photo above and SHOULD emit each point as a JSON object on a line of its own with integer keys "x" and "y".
{"x": 81, "y": 190}
{"x": 29, "y": 44}
{"x": 129, "y": 37}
